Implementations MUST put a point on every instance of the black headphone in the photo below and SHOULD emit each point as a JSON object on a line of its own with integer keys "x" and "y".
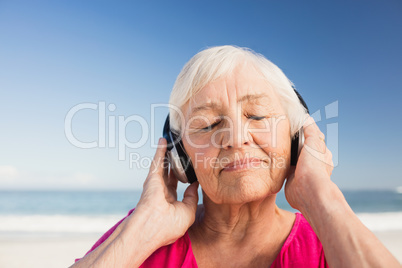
{"x": 181, "y": 164}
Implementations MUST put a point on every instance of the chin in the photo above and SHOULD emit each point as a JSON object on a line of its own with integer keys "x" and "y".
{"x": 249, "y": 188}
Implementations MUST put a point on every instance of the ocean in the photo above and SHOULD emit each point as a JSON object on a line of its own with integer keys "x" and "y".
{"x": 55, "y": 213}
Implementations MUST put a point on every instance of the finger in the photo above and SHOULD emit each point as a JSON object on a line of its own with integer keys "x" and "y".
{"x": 291, "y": 173}
{"x": 165, "y": 168}
{"x": 331, "y": 168}
{"x": 172, "y": 180}
{"x": 190, "y": 197}
{"x": 317, "y": 150}
{"x": 171, "y": 186}
{"x": 313, "y": 137}
{"x": 158, "y": 163}
{"x": 311, "y": 129}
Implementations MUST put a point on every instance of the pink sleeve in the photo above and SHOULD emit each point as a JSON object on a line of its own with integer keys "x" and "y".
{"x": 107, "y": 234}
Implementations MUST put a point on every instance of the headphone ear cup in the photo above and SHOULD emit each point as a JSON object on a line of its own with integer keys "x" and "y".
{"x": 293, "y": 150}
{"x": 297, "y": 144}
{"x": 179, "y": 161}
{"x": 298, "y": 139}
{"x": 185, "y": 170}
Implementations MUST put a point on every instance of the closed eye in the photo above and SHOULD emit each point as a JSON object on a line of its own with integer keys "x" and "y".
{"x": 211, "y": 126}
{"x": 254, "y": 117}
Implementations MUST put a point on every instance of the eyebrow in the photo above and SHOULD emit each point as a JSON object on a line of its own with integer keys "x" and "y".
{"x": 214, "y": 105}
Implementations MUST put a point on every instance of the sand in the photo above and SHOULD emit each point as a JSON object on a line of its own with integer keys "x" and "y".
{"x": 60, "y": 251}
{"x": 45, "y": 251}
{"x": 393, "y": 241}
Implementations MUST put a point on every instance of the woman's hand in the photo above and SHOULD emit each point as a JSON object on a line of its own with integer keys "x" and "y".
{"x": 346, "y": 241}
{"x": 168, "y": 218}
{"x": 313, "y": 170}
{"x": 159, "y": 219}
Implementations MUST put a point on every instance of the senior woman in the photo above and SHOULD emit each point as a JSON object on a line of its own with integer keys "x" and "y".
{"x": 236, "y": 114}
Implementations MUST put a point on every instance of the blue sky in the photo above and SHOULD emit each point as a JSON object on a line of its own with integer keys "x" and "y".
{"x": 55, "y": 55}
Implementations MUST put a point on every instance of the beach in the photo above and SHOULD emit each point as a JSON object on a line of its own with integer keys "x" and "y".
{"x": 393, "y": 241}
{"x": 60, "y": 251}
{"x": 52, "y": 229}
{"x": 51, "y": 251}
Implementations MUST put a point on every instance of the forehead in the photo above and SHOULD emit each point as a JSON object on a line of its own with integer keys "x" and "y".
{"x": 244, "y": 85}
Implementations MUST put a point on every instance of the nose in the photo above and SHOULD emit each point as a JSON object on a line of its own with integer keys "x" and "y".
{"x": 237, "y": 137}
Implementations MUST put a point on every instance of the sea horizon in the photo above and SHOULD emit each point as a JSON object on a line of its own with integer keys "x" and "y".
{"x": 61, "y": 212}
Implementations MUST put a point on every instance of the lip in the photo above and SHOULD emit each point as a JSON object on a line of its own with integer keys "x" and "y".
{"x": 241, "y": 164}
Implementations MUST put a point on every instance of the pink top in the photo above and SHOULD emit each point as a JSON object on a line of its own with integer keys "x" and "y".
{"x": 301, "y": 249}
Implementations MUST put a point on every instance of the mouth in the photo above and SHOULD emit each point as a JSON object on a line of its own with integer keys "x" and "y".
{"x": 242, "y": 164}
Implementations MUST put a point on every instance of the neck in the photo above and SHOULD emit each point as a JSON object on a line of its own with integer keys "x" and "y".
{"x": 236, "y": 223}
{"x": 242, "y": 235}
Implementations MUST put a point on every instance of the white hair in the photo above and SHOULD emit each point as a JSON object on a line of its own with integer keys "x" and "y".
{"x": 217, "y": 62}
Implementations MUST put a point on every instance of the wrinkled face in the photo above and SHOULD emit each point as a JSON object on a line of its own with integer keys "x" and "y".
{"x": 238, "y": 138}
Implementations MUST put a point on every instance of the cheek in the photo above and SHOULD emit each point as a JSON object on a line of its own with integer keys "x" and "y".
{"x": 196, "y": 141}
{"x": 276, "y": 144}
{"x": 203, "y": 158}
